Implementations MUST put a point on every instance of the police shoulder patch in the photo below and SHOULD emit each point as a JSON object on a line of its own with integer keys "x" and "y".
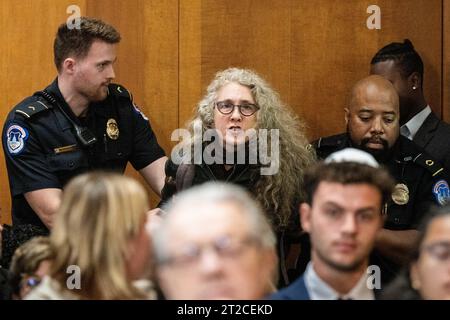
{"x": 16, "y": 136}
{"x": 441, "y": 192}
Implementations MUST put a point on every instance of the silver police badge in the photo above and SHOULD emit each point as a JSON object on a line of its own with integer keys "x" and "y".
{"x": 401, "y": 194}
{"x": 112, "y": 129}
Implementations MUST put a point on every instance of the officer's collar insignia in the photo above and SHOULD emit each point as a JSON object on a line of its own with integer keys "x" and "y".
{"x": 16, "y": 137}
{"x": 112, "y": 129}
{"x": 401, "y": 194}
{"x": 442, "y": 192}
{"x": 65, "y": 149}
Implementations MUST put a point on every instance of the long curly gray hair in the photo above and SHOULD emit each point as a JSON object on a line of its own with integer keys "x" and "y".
{"x": 278, "y": 192}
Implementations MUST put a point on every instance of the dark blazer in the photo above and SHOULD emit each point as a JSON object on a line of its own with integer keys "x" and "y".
{"x": 434, "y": 137}
{"x": 296, "y": 291}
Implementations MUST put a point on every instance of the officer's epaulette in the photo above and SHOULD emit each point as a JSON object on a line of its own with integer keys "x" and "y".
{"x": 329, "y": 142}
{"x": 424, "y": 160}
{"x": 30, "y": 109}
{"x": 120, "y": 91}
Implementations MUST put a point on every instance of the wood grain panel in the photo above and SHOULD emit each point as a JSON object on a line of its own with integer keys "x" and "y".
{"x": 26, "y": 60}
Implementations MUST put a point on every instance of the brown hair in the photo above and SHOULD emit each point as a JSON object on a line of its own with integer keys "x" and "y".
{"x": 347, "y": 173}
{"x": 77, "y": 41}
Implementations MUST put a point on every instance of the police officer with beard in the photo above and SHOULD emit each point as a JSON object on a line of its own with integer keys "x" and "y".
{"x": 372, "y": 120}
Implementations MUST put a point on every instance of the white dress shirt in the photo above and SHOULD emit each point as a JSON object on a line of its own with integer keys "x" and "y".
{"x": 410, "y": 128}
{"x": 319, "y": 290}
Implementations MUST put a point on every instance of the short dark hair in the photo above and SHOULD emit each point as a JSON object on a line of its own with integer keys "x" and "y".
{"x": 78, "y": 41}
{"x": 405, "y": 56}
{"x": 347, "y": 173}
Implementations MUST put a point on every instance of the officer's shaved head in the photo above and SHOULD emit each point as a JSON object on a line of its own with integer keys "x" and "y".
{"x": 374, "y": 87}
{"x": 373, "y": 115}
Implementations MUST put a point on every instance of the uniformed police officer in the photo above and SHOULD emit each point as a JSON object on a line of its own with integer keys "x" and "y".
{"x": 373, "y": 125}
{"x": 80, "y": 122}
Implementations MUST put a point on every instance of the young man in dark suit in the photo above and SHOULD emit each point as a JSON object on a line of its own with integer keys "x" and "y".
{"x": 345, "y": 197}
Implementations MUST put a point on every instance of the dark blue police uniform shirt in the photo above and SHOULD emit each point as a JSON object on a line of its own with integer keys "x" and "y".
{"x": 42, "y": 150}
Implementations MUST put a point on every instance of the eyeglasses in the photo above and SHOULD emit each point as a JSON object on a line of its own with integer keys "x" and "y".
{"x": 224, "y": 247}
{"x": 246, "y": 109}
{"x": 439, "y": 250}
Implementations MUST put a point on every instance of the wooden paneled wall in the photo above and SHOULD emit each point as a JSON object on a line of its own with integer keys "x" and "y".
{"x": 310, "y": 51}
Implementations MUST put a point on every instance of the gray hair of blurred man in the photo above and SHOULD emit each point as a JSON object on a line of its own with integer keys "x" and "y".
{"x": 215, "y": 193}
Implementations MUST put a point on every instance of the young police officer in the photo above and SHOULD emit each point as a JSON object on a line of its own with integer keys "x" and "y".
{"x": 80, "y": 122}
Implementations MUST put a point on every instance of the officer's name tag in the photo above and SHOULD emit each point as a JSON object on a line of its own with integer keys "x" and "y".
{"x": 64, "y": 149}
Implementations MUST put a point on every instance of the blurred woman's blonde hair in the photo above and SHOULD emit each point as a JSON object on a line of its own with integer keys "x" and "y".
{"x": 100, "y": 213}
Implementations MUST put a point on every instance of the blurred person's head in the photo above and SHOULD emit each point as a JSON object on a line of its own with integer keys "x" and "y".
{"x": 430, "y": 268}
{"x": 100, "y": 227}
{"x": 372, "y": 117}
{"x": 260, "y": 108}
{"x": 215, "y": 243}
{"x": 30, "y": 263}
{"x": 343, "y": 213}
{"x": 403, "y": 67}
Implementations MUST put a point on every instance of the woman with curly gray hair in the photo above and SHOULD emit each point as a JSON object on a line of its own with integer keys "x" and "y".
{"x": 241, "y": 112}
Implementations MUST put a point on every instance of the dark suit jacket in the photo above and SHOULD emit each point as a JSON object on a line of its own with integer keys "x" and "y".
{"x": 296, "y": 291}
{"x": 434, "y": 137}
